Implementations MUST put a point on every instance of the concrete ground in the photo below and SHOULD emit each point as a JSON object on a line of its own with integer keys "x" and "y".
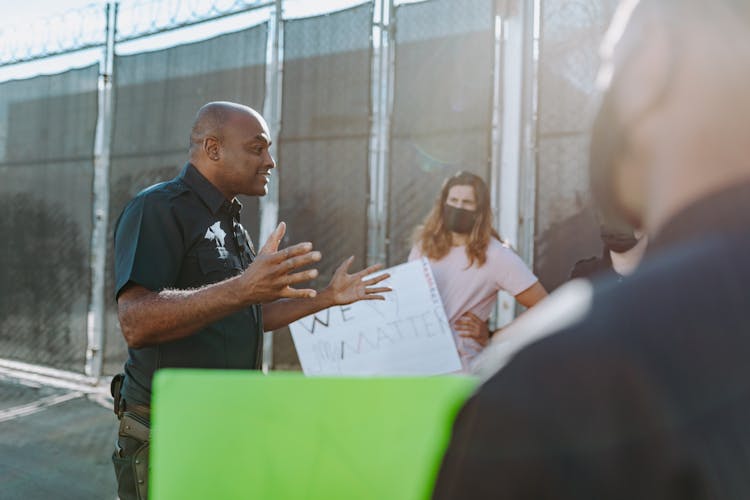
{"x": 55, "y": 442}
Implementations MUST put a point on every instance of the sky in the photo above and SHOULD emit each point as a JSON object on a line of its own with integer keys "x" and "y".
{"x": 26, "y": 22}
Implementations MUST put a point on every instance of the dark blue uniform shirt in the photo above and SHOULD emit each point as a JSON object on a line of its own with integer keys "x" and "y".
{"x": 184, "y": 234}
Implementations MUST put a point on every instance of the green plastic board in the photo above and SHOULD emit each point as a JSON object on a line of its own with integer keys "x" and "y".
{"x": 235, "y": 435}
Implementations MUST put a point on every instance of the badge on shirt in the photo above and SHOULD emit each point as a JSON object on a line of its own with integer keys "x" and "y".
{"x": 216, "y": 233}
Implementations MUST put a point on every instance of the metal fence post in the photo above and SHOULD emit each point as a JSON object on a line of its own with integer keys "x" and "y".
{"x": 516, "y": 155}
{"x": 503, "y": 175}
{"x": 269, "y": 204}
{"x": 383, "y": 63}
{"x": 95, "y": 320}
{"x": 527, "y": 188}
{"x": 513, "y": 172}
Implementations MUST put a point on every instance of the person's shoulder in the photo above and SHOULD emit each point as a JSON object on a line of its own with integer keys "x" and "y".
{"x": 556, "y": 362}
{"x": 157, "y": 195}
{"x": 672, "y": 300}
{"x": 497, "y": 247}
{"x": 696, "y": 276}
{"x": 564, "y": 309}
{"x": 163, "y": 191}
{"x": 558, "y": 349}
{"x": 684, "y": 296}
{"x": 159, "y": 201}
{"x": 586, "y": 263}
{"x": 630, "y": 313}
{"x": 586, "y": 268}
{"x": 579, "y": 322}
{"x": 500, "y": 253}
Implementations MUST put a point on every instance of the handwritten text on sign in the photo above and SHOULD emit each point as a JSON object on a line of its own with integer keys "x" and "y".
{"x": 406, "y": 334}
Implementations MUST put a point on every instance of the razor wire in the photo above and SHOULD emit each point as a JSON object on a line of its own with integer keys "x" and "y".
{"x": 86, "y": 27}
{"x": 69, "y": 31}
{"x": 149, "y": 17}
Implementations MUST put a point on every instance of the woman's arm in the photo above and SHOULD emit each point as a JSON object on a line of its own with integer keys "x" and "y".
{"x": 532, "y": 295}
{"x": 528, "y": 298}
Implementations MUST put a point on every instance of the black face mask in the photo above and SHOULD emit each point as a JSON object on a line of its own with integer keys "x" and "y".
{"x": 616, "y": 234}
{"x": 617, "y": 239}
{"x": 459, "y": 220}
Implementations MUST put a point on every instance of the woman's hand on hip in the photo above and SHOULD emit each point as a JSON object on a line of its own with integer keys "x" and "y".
{"x": 470, "y": 326}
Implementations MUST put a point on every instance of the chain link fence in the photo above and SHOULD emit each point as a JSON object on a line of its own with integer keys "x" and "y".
{"x": 442, "y": 112}
{"x": 566, "y": 229}
{"x": 441, "y": 121}
{"x": 47, "y": 127}
{"x": 323, "y": 145}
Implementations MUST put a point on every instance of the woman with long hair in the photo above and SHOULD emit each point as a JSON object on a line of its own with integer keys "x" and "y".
{"x": 470, "y": 262}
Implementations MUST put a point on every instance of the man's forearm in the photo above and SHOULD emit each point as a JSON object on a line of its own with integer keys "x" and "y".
{"x": 281, "y": 312}
{"x": 149, "y": 317}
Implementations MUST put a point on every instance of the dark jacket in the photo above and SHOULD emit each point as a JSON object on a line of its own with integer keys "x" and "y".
{"x": 647, "y": 396}
{"x": 593, "y": 266}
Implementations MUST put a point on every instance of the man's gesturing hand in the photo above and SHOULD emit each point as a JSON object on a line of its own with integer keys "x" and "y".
{"x": 271, "y": 276}
{"x": 346, "y": 288}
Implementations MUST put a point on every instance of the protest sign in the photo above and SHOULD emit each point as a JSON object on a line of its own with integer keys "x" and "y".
{"x": 406, "y": 334}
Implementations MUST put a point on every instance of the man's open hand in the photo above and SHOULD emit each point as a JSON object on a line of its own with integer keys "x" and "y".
{"x": 270, "y": 276}
{"x": 346, "y": 288}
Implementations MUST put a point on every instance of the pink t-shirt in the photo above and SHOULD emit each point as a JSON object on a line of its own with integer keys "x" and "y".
{"x": 474, "y": 289}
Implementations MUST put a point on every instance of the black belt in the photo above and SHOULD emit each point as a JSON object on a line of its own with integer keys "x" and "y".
{"x": 142, "y": 411}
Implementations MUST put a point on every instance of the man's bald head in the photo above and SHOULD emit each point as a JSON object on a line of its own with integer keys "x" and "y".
{"x": 675, "y": 73}
{"x": 229, "y": 145}
{"x": 213, "y": 118}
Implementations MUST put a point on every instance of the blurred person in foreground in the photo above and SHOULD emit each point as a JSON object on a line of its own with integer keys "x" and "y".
{"x": 191, "y": 293}
{"x": 639, "y": 389}
{"x": 470, "y": 262}
{"x": 622, "y": 250}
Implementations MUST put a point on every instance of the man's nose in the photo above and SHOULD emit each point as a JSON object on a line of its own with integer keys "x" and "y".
{"x": 270, "y": 162}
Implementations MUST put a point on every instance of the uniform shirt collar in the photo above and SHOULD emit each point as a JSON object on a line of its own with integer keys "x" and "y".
{"x": 208, "y": 193}
{"x": 722, "y": 212}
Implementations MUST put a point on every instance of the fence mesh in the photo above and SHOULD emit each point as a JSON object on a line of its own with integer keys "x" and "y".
{"x": 323, "y": 146}
{"x": 442, "y": 109}
{"x": 441, "y": 122}
{"x": 47, "y": 129}
{"x": 571, "y": 31}
{"x": 156, "y": 97}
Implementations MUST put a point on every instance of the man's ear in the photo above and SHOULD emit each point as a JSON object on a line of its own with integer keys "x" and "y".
{"x": 212, "y": 148}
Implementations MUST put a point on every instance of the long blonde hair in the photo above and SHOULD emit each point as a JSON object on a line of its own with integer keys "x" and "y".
{"x": 434, "y": 239}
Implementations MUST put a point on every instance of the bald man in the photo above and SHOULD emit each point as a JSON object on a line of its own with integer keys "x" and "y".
{"x": 639, "y": 389}
{"x": 191, "y": 293}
